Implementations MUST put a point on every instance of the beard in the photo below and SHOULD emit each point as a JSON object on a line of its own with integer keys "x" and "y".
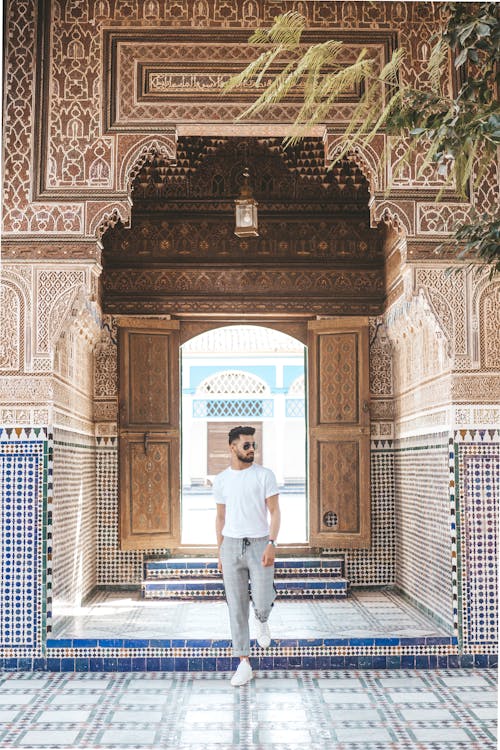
{"x": 246, "y": 459}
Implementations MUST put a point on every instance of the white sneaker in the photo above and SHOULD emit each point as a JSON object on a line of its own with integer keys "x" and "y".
{"x": 263, "y": 634}
{"x": 243, "y": 674}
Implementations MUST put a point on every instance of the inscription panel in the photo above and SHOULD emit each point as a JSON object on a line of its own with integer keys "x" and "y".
{"x": 176, "y": 83}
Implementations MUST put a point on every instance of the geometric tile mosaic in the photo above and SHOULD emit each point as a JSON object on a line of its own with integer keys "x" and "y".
{"x": 479, "y": 489}
{"x": 423, "y": 523}
{"x": 74, "y": 523}
{"x": 24, "y": 464}
{"x": 376, "y": 566}
{"x": 277, "y": 710}
{"x": 114, "y": 566}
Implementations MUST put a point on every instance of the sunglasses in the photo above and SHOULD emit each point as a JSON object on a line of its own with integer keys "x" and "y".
{"x": 246, "y": 446}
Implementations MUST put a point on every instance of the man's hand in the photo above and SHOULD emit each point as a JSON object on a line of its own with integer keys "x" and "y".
{"x": 219, "y": 525}
{"x": 268, "y": 556}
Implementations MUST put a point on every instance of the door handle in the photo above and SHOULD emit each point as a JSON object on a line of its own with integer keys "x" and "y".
{"x": 146, "y": 438}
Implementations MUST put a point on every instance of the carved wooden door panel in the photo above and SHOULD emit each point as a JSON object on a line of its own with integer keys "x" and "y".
{"x": 339, "y": 433}
{"x": 149, "y": 434}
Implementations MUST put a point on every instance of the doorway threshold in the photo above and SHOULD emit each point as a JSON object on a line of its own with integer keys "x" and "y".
{"x": 367, "y": 617}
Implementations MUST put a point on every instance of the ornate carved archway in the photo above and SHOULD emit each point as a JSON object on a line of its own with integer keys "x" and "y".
{"x": 316, "y": 254}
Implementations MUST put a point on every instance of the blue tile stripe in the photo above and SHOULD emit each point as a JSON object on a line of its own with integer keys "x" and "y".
{"x": 167, "y": 643}
{"x": 222, "y": 664}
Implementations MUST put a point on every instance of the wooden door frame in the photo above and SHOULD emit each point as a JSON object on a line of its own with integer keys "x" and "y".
{"x": 296, "y": 326}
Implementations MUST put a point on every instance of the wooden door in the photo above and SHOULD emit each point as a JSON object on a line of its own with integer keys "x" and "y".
{"x": 339, "y": 433}
{"x": 149, "y": 434}
{"x": 219, "y": 457}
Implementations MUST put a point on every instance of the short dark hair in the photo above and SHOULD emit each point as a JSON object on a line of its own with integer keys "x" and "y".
{"x": 237, "y": 431}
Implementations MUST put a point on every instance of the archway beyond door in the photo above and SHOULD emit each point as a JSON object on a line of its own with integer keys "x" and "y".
{"x": 242, "y": 375}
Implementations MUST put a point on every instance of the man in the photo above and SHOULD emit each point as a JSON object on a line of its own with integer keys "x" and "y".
{"x": 245, "y": 494}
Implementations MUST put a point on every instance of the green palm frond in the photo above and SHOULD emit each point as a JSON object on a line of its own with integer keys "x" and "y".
{"x": 287, "y": 28}
{"x": 439, "y": 54}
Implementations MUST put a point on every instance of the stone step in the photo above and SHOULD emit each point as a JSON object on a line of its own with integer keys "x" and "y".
{"x": 188, "y": 568}
{"x": 290, "y": 588}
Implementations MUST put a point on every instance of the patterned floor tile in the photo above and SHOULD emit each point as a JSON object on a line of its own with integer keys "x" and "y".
{"x": 347, "y": 715}
{"x": 486, "y": 713}
{"x": 343, "y": 699}
{"x": 49, "y": 737}
{"x": 126, "y": 615}
{"x": 24, "y": 685}
{"x": 63, "y": 715}
{"x": 278, "y": 710}
{"x": 136, "y": 717}
{"x": 478, "y": 696}
{"x": 426, "y": 714}
{"x": 124, "y": 737}
{"x": 284, "y": 735}
{"x": 267, "y": 714}
{"x": 465, "y": 681}
{"x": 413, "y": 697}
{"x": 393, "y": 682}
{"x": 10, "y": 699}
{"x": 80, "y": 699}
{"x": 363, "y": 734}
{"x": 7, "y": 715}
{"x": 441, "y": 734}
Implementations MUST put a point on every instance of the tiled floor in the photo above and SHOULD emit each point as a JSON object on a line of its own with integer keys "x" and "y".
{"x": 366, "y": 613}
{"x": 345, "y": 710}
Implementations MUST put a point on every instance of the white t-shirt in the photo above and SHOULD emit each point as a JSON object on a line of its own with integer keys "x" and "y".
{"x": 244, "y": 493}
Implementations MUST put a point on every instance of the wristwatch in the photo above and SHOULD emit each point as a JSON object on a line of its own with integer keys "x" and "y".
{"x": 271, "y": 541}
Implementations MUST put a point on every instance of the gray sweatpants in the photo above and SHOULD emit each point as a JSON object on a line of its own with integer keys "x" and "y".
{"x": 242, "y": 560}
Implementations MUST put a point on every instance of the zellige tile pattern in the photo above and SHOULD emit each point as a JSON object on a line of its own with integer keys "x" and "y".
{"x": 278, "y": 710}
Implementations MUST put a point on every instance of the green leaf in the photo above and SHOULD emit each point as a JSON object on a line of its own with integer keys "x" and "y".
{"x": 465, "y": 33}
{"x": 483, "y": 29}
{"x": 462, "y": 57}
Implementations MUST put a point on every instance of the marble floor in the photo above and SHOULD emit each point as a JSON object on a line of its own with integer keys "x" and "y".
{"x": 366, "y": 613}
{"x": 279, "y": 710}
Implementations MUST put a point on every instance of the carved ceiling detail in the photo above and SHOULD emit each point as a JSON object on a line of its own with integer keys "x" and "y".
{"x": 211, "y": 168}
{"x": 313, "y": 222}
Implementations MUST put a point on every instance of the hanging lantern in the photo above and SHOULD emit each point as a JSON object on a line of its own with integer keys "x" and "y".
{"x": 246, "y": 210}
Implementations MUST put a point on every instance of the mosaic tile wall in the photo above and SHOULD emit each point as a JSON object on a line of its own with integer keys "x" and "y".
{"x": 477, "y": 466}
{"x": 74, "y": 522}
{"x": 376, "y": 566}
{"x": 24, "y": 478}
{"x": 114, "y": 567}
{"x": 423, "y": 523}
{"x": 364, "y": 567}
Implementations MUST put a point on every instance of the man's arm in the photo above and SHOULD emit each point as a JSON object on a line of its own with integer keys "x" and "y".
{"x": 220, "y": 520}
{"x": 274, "y": 527}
